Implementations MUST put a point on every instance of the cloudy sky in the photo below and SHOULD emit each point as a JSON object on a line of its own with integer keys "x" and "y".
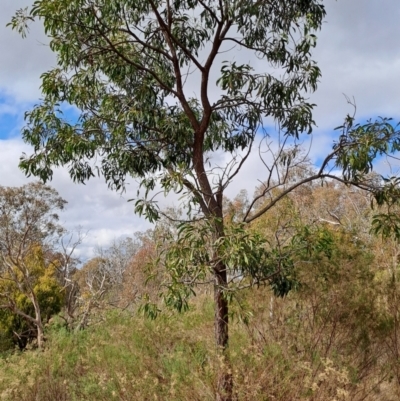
{"x": 359, "y": 54}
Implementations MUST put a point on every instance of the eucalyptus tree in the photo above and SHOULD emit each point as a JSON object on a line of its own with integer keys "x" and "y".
{"x": 29, "y": 231}
{"x": 162, "y": 88}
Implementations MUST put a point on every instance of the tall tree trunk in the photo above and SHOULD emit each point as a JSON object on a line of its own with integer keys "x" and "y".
{"x": 224, "y": 386}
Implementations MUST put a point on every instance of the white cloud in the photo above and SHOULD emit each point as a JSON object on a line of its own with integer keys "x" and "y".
{"x": 22, "y": 60}
{"x": 105, "y": 214}
{"x": 359, "y": 55}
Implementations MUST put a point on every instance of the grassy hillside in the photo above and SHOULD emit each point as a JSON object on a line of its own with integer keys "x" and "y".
{"x": 284, "y": 353}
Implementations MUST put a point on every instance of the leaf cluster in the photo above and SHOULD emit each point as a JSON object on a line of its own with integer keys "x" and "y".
{"x": 123, "y": 65}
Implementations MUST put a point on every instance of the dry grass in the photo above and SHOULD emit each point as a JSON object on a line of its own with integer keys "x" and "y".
{"x": 333, "y": 340}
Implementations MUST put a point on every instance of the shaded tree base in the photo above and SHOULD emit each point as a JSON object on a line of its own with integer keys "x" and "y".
{"x": 225, "y": 387}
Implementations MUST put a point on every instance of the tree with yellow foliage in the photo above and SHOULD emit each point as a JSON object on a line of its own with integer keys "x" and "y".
{"x": 29, "y": 231}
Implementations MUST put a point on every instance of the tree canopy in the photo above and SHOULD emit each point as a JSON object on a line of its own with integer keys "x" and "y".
{"x": 125, "y": 64}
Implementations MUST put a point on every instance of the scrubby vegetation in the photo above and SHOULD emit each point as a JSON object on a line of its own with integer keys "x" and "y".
{"x": 334, "y": 336}
{"x": 334, "y": 342}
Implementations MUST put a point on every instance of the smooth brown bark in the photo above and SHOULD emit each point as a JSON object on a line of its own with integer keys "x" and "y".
{"x": 221, "y": 321}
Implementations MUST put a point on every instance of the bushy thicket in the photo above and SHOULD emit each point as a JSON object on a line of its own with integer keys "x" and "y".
{"x": 335, "y": 336}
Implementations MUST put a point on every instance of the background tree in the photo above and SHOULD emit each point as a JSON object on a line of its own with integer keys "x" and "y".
{"x": 29, "y": 289}
{"x": 129, "y": 68}
{"x": 19, "y": 328}
{"x": 101, "y": 282}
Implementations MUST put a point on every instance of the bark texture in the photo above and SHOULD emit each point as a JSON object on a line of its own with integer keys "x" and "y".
{"x": 225, "y": 384}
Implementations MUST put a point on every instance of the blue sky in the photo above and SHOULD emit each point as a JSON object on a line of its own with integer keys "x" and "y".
{"x": 10, "y": 117}
{"x": 358, "y": 52}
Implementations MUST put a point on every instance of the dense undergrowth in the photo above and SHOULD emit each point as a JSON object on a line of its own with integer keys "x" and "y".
{"x": 291, "y": 349}
{"x": 334, "y": 337}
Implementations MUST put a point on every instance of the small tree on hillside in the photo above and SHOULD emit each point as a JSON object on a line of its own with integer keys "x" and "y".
{"x": 162, "y": 93}
{"x": 28, "y": 229}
